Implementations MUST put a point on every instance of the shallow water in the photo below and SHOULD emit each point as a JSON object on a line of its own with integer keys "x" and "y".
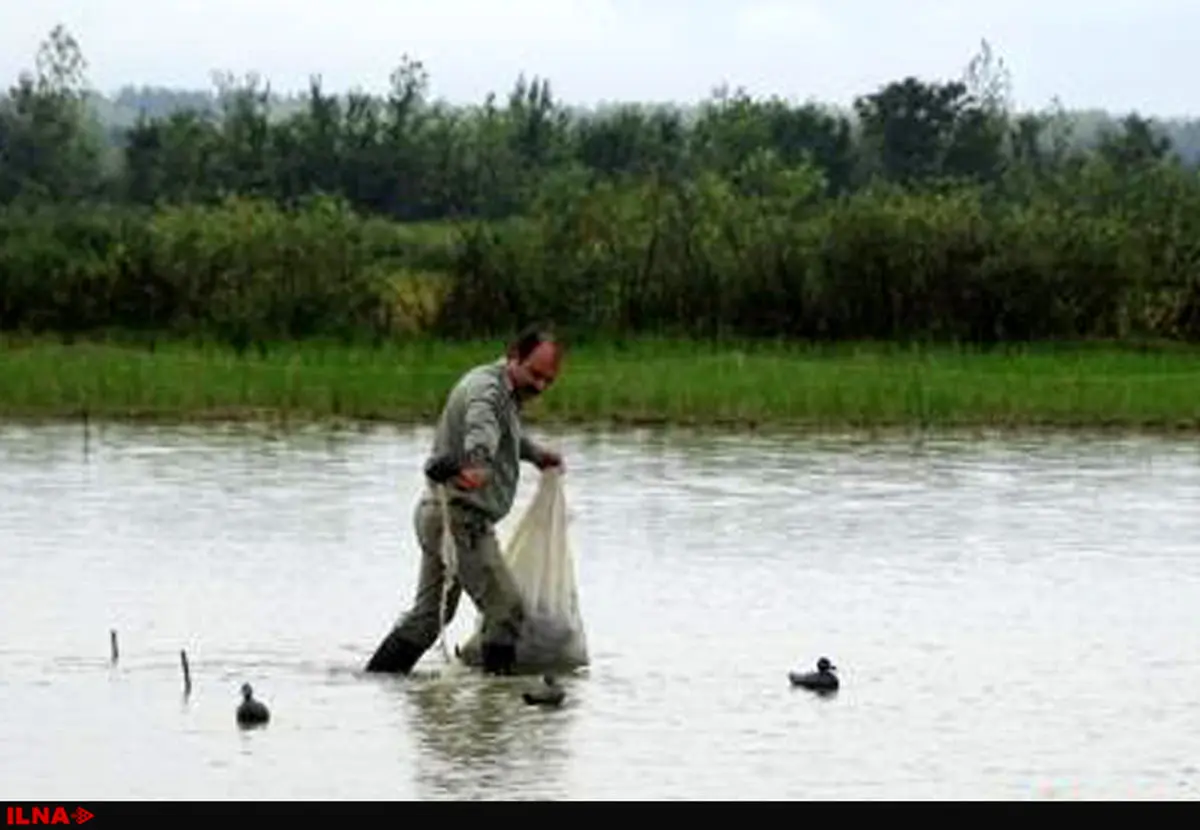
{"x": 1012, "y": 619}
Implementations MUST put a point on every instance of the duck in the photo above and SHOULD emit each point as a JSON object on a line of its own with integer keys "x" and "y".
{"x": 550, "y": 694}
{"x": 822, "y": 680}
{"x": 251, "y": 712}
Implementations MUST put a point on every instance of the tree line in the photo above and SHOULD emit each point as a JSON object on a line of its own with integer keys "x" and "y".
{"x": 931, "y": 210}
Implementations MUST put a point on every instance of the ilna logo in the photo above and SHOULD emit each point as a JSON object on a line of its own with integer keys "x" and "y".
{"x": 46, "y": 815}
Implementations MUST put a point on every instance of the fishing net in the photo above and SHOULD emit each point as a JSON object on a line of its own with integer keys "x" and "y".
{"x": 543, "y": 566}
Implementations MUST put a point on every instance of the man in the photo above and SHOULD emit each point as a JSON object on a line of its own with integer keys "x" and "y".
{"x": 477, "y": 452}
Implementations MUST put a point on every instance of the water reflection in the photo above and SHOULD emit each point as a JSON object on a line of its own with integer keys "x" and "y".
{"x": 947, "y": 578}
{"x": 477, "y": 739}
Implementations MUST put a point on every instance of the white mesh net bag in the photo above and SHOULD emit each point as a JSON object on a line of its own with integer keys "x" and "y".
{"x": 542, "y": 563}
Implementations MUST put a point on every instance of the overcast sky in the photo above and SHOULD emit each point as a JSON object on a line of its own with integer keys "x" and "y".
{"x": 1113, "y": 54}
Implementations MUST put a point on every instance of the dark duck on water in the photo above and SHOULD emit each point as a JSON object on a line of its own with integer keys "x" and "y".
{"x": 821, "y": 680}
{"x": 549, "y": 694}
{"x": 251, "y": 712}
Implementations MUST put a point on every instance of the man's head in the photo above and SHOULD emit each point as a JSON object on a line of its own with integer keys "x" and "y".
{"x": 534, "y": 357}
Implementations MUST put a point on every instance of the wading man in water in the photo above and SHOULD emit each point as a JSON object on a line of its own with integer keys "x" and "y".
{"x": 477, "y": 452}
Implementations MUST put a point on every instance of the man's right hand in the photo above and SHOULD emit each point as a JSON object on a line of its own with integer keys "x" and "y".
{"x": 471, "y": 478}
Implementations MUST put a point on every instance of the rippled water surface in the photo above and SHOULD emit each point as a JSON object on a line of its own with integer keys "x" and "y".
{"x": 1012, "y": 619}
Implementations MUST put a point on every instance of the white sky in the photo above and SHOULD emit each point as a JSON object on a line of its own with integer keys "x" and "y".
{"x": 1113, "y": 54}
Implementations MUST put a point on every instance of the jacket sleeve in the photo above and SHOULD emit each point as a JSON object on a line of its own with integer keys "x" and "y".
{"x": 530, "y": 450}
{"x": 482, "y": 427}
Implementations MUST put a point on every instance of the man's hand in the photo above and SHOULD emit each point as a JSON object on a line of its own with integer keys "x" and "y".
{"x": 445, "y": 468}
{"x": 471, "y": 478}
{"x": 549, "y": 459}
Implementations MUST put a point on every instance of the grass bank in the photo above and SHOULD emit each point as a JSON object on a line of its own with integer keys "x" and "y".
{"x": 642, "y": 382}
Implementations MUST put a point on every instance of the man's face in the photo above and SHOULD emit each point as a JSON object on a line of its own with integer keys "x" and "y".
{"x": 535, "y": 373}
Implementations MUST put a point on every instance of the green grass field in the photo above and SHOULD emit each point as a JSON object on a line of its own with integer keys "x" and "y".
{"x": 645, "y": 382}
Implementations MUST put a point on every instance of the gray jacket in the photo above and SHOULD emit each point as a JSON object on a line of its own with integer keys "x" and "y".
{"x": 482, "y": 420}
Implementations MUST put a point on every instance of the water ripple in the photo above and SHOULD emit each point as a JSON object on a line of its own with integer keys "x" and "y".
{"x": 1013, "y": 618}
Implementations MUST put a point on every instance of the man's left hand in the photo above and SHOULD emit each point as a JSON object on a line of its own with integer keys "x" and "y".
{"x": 549, "y": 459}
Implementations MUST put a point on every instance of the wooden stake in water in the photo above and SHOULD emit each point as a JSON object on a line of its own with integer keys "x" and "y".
{"x": 187, "y": 675}
{"x": 112, "y": 641}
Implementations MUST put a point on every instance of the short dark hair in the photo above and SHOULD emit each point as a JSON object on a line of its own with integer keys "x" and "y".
{"x": 529, "y": 338}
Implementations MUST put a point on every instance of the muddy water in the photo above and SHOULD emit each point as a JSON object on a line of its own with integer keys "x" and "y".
{"x": 1012, "y": 619}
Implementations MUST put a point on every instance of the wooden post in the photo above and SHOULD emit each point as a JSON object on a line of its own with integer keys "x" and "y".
{"x": 187, "y": 675}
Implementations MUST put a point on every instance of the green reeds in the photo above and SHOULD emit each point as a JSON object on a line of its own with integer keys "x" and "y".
{"x": 642, "y": 381}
